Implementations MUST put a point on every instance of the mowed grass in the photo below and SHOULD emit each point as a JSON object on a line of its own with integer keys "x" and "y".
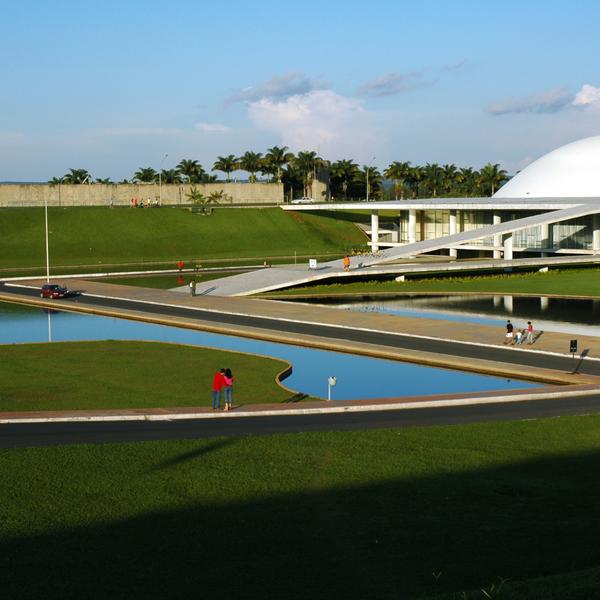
{"x": 385, "y": 514}
{"x": 165, "y": 282}
{"x": 100, "y": 235}
{"x": 118, "y": 374}
{"x": 565, "y": 282}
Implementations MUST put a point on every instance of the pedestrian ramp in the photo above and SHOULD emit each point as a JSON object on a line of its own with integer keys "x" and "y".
{"x": 270, "y": 279}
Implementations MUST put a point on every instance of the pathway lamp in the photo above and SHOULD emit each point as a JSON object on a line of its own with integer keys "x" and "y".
{"x": 330, "y": 383}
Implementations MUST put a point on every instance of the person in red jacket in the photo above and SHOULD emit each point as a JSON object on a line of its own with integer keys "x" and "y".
{"x": 217, "y": 387}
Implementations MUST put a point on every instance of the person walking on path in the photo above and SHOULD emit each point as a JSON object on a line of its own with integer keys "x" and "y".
{"x": 192, "y": 288}
{"x": 529, "y": 333}
{"x": 217, "y": 387}
{"x": 508, "y": 338}
{"x": 346, "y": 263}
{"x": 228, "y": 388}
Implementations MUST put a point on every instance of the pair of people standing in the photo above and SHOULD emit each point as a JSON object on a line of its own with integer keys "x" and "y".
{"x": 222, "y": 385}
{"x": 521, "y": 335}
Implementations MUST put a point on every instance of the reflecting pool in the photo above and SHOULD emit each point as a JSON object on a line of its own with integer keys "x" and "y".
{"x": 357, "y": 376}
{"x": 547, "y": 314}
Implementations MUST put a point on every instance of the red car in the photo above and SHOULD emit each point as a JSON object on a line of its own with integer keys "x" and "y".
{"x": 53, "y": 290}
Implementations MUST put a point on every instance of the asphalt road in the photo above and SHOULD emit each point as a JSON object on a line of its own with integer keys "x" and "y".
{"x": 51, "y": 434}
{"x": 466, "y": 351}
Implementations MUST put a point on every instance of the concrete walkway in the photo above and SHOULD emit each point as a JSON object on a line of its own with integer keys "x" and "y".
{"x": 278, "y": 278}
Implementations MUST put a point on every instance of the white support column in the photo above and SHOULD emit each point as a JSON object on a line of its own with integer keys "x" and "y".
{"x": 497, "y": 238}
{"x": 547, "y": 237}
{"x": 453, "y": 252}
{"x": 596, "y": 234}
{"x": 412, "y": 226}
{"x": 375, "y": 230}
{"x": 508, "y": 246}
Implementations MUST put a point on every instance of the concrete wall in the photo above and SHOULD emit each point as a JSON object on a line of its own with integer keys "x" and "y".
{"x": 97, "y": 194}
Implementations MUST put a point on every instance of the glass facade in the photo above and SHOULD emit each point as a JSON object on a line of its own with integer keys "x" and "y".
{"x": 575, "y": 234}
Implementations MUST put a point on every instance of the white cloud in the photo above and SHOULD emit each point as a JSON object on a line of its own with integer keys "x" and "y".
{"x": 283, "y": 86}
{"x": 391, "y": 84}
{"x": 212, "y": 128}
{"x": 588, "y": 94}
{"x": 548, "y": 101}
{"x": 335, "y": 125}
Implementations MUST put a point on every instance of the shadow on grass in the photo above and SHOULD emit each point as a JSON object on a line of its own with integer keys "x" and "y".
{"x": 384, "y": 540}
{"x": 203, "y": 450}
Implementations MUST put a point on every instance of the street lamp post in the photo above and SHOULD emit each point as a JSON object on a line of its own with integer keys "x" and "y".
{"x": 160, "y": 179}
{"x": 368, "y": 167}
{"x": 47, "y": 250}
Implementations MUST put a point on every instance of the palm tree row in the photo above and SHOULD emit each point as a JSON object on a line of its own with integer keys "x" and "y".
{"x": 346, "y": 178}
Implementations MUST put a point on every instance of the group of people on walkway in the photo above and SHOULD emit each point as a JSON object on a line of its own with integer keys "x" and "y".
{"x": 519, "y": 336}
{"x": 222, "y": 388}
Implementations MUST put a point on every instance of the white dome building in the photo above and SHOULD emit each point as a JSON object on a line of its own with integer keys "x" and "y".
{"x": 571, "y": 171}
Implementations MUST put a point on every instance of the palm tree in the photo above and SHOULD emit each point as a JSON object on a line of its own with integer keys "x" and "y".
{"x": 414, "y": 178}
{"x": 170, "y": 176}
{"x": 75, "y": 176}
{"x": 449, "y": 177}
{"x": 55, "y": 181}
{"x": 398, "y": 172}
{"x": 251, "y": 162}
{"x": 227, "y": 164}
{"x": 191, "y": 169}
{"x": 343, "y": 173}
{"x": 195, "y": 196}
{"x": 491, "y": 177}
{"x": 275, "y": 159}
{"x": 433, "y": 176}
{"x": 145, "y": 175}
{"x": 307, "y": 162}
{"x": 105, "y": 180}
{"x": 467, "y": 181}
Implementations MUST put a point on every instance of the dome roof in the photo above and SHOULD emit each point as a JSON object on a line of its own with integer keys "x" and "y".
{"x": 571, "y": 171}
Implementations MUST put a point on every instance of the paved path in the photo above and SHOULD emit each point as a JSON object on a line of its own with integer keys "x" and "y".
{"x": 277, "y": 278}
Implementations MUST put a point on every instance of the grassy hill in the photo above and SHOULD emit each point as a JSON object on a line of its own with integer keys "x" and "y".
{"x": 102, "y": 235}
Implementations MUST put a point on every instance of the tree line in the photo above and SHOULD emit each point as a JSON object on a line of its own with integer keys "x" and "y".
{"x": 347, "y": 179}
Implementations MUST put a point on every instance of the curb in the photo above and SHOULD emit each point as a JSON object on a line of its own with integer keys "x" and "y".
{"x": 303, "y": 411}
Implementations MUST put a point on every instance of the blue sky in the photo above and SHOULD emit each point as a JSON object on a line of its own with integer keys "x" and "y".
{"x": 112, "y": 86}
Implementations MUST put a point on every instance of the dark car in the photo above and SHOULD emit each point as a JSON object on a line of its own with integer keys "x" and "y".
{"x": 53, "y": 290}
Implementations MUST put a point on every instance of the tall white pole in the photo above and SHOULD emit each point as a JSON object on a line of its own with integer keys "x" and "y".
{"x": 47, "y": 251}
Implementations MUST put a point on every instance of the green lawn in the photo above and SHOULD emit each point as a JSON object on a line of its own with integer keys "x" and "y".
{"x": 100, "y": 235}
{"x": 382, "y": 514}
{"x": 116, "y": 374}
{"x": 571, "y": 282}
{"x": 165, "y": 282}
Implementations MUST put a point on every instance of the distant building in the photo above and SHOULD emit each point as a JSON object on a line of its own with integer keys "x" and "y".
{"x": 550, "y": 207}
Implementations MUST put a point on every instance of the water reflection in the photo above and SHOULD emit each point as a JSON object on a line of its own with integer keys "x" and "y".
{"x": 549, "y": 314}
{"x": 357, "y": 376}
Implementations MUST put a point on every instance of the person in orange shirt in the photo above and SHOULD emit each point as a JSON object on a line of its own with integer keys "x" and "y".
{"x": 346, "y": 263}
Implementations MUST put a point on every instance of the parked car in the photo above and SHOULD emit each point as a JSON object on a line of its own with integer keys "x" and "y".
{"x": 53, "y": 290}
{"x": 303, "y": 200}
